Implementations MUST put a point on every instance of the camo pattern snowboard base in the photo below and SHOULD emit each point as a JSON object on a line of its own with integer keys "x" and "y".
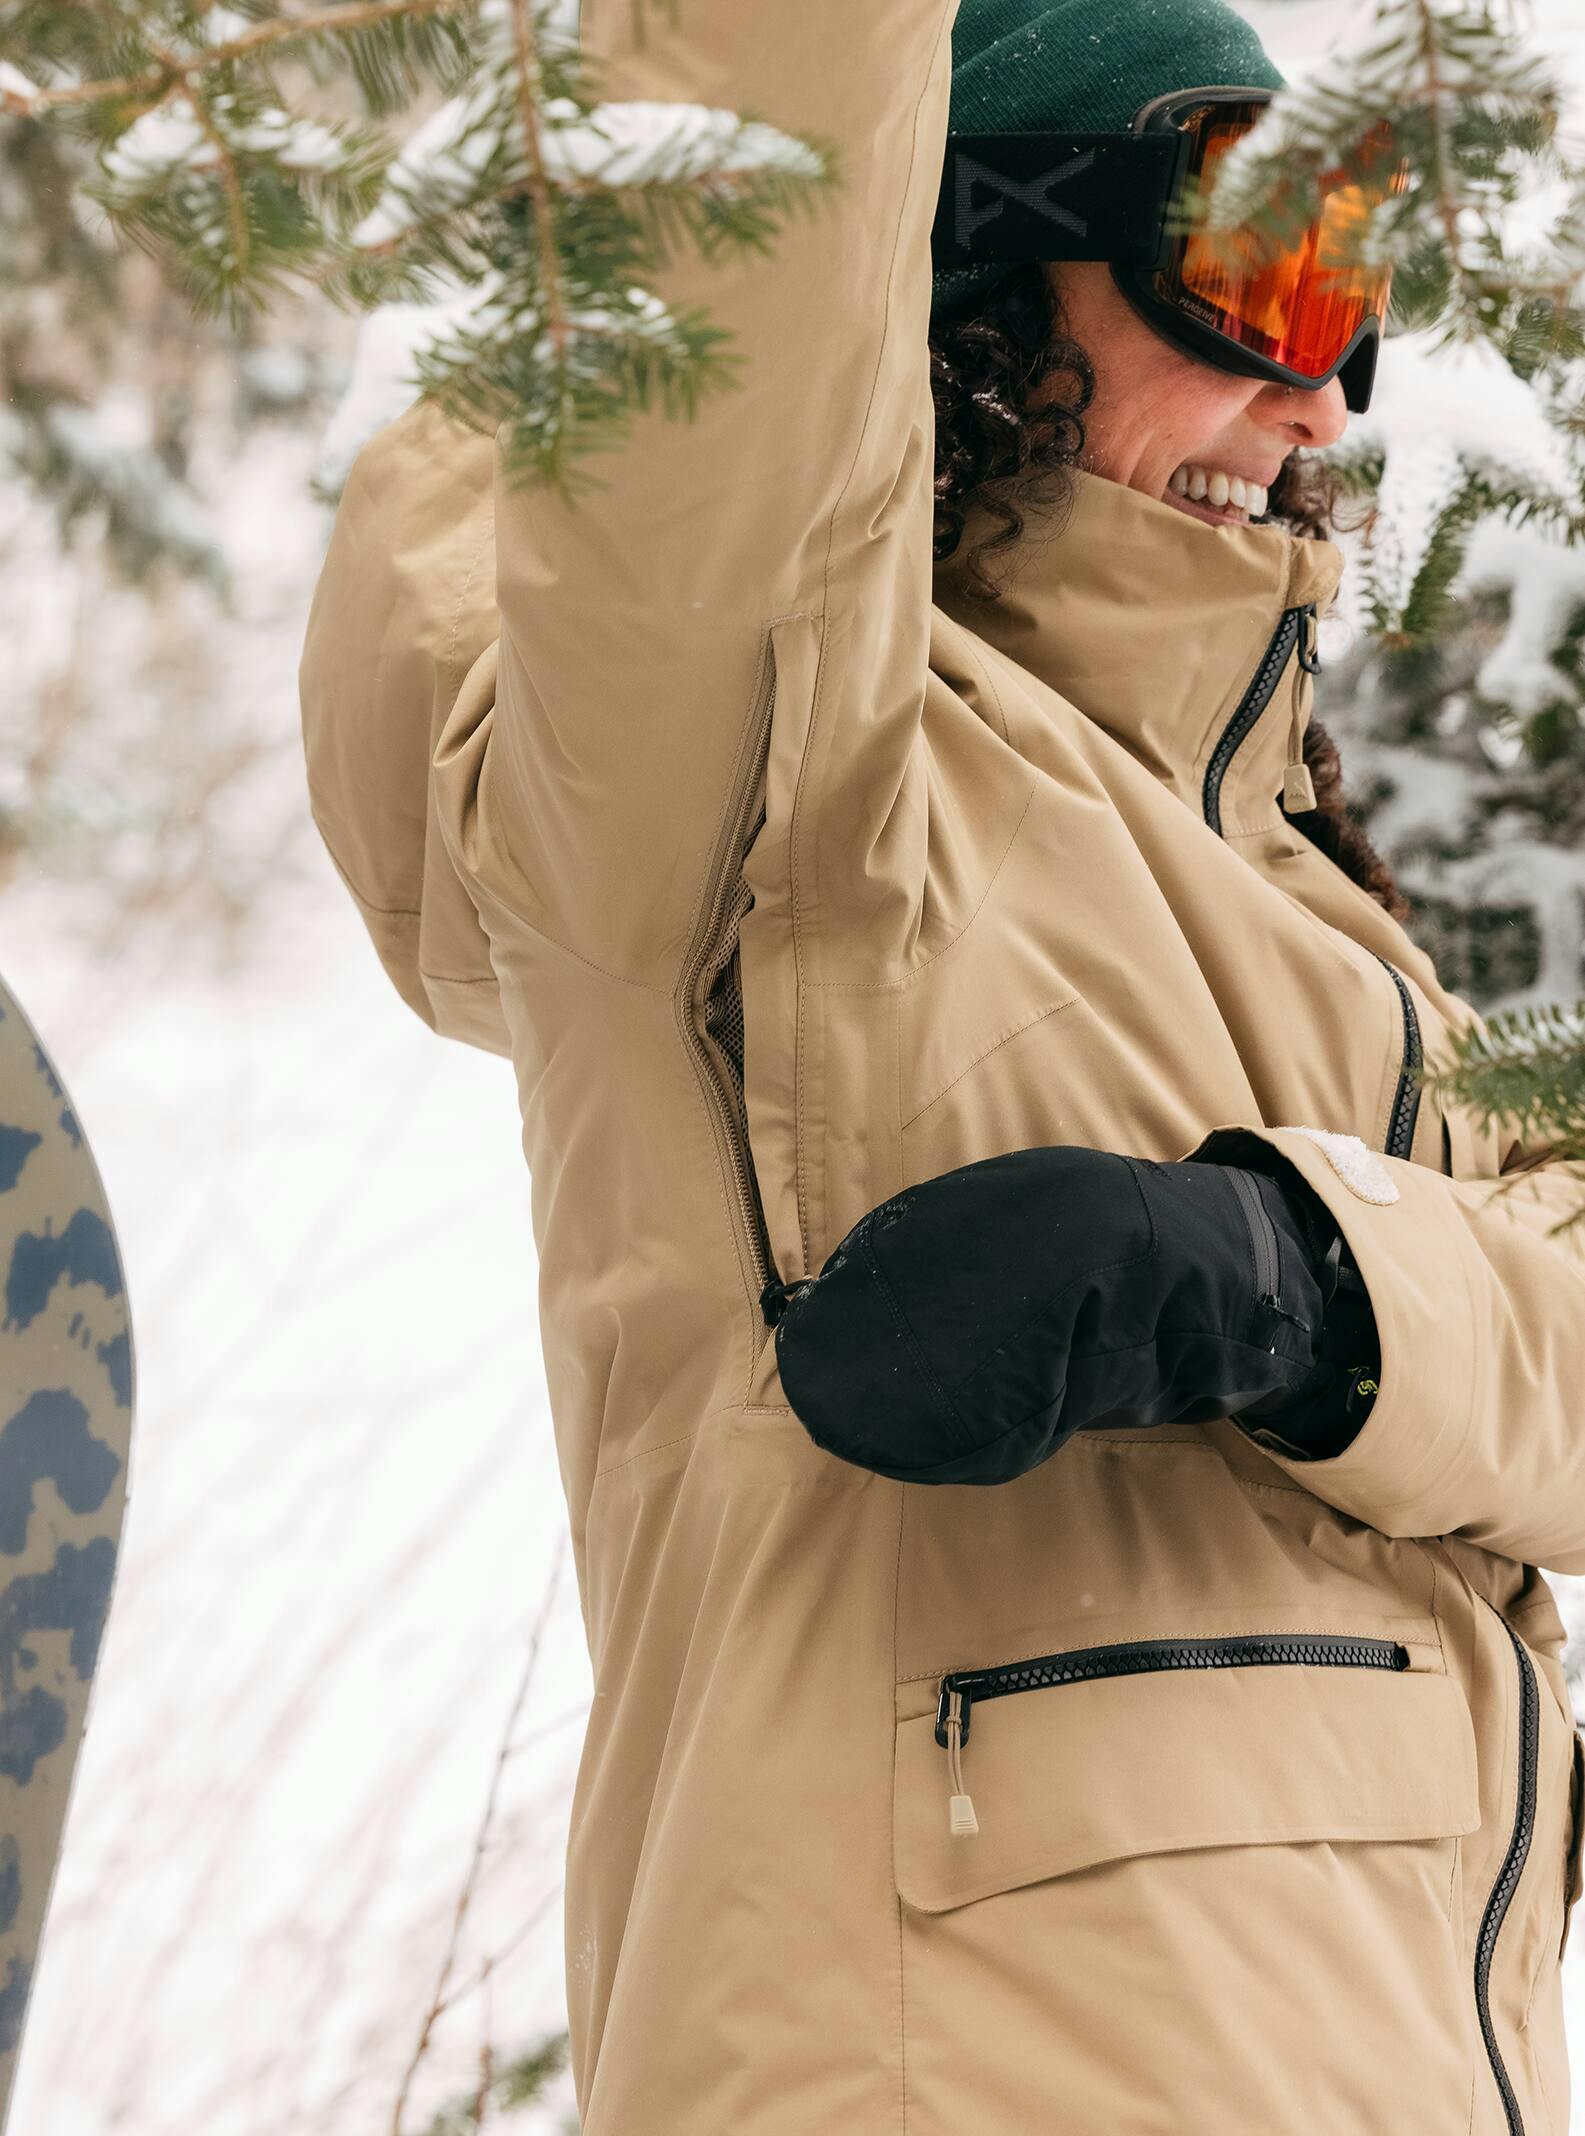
{"x": 66, "y": 1404}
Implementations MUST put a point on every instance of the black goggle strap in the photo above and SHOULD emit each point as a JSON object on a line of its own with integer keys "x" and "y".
{"x": 1009, "y": 197}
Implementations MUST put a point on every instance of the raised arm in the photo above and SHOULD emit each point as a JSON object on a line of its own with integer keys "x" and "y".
{"x": 636, "y": 664}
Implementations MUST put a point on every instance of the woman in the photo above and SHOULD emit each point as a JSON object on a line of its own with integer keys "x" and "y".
{"x": 792, "y": 876}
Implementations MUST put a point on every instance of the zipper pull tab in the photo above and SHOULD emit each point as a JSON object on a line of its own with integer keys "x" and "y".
{"x": 775, "y": 1298}
{"x": 961, "y": 1820}
{"x": 1298, "y": 788}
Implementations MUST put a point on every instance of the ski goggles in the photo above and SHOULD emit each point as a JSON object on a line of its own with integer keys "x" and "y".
{"x": 1303, "y": 315}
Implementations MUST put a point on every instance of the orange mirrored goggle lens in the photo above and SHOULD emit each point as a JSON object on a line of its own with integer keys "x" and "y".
{"x": 1302, "y": 307}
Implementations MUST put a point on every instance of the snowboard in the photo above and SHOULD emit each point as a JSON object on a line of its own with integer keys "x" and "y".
{"x": 66, "y": 1410}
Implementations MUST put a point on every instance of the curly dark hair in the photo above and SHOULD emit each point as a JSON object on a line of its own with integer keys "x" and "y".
{"x": 1010, "y": 387}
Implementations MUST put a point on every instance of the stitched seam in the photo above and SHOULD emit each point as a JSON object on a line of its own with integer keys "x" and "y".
{"x": 796, "y": 822}
{"x": 1123, "y": 1349}
{"x": 381, "y": 912}
{"x": 645, "y": 986}
{"x": 914, "y": 971}
{"x": 709, "y": 880}
{"x": 1055, "y": 1008}
{"x": 601, "y": 971}
{"x": 486, "y": 540}
{"x": 897, "y": 1051}
{"x": 795, "y": 895}
{"x": 972, "y": 644}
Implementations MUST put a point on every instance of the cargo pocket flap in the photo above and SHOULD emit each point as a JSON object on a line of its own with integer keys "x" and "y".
{"x": 1077, "y": 1774}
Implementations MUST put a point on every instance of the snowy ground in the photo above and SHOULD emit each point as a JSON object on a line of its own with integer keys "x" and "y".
{"x": 345, "y": 1504}
{"x": 345, "y": 1501}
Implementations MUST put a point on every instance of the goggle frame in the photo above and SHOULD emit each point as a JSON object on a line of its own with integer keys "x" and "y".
{"x": 1119, "y": 189}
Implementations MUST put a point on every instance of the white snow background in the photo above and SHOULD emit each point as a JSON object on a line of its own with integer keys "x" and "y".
{"x": 345, "y": 1503}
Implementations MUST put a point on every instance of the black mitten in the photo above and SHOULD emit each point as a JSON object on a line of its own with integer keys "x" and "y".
{"x": 963, "y": 1330}
{"x": 1324, "y": 1413}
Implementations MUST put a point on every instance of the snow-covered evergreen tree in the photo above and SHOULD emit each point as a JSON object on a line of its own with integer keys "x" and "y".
{"x": 505, "y": 246}
{"x": 527, "y": 212}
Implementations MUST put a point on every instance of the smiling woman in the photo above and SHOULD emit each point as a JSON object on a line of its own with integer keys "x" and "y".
{"x": 956, "y": 962}
{"x": 1176, "y": 427}
{"x": 1051, "y": 371}
{"x": 1035, "y": 379}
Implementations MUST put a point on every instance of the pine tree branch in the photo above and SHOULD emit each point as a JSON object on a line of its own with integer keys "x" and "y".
{"x": 226, "y": 162}
{"x": 551, "y": 282}
{"x": 180, "y": 67}
{"x": 1441, "y": 165}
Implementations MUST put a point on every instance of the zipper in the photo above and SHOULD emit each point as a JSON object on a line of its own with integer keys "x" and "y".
{"x": 1250, "y": 706}
{"x": 722, "y": 915}
{"x": 1263, "y": 1236}
{"x": 963, "y": 1689}
{"x": 1295, "y": 631}
{"x": 1508, "y": 1876}
{"x": 1406, "y": 1099}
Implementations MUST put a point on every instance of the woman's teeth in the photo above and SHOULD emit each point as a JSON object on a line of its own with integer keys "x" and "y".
{"x": 1223, "y": 493}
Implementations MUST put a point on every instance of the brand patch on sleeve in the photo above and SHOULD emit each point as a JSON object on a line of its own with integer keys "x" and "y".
{"x": 1359, "y": 1168}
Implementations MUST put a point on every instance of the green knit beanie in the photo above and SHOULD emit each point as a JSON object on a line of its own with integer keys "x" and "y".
{"x": 1056, "y": 66}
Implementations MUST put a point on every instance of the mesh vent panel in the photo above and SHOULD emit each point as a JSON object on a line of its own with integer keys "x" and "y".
{"x": 723, "y": 1013}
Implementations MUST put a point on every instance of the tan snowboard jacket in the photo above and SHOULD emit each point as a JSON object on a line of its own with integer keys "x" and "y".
{"x": 786, "y": 876}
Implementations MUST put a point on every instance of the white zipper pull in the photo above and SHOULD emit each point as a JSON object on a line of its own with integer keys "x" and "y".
{"x": 961, "y": 1820}
{"x": 1298, "y": 788}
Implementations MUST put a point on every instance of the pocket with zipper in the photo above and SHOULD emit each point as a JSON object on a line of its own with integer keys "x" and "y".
{"x": 961, "y": 1690}
{"x": 1036, "y": 1767}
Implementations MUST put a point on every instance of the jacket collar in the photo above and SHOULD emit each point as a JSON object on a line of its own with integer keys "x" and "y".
{"x": 1155, "y": 626}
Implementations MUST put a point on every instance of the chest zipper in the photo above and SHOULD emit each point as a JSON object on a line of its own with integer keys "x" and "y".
{"x": 1508, "y": 1876}
{"x": 1296, "y": 632}
{"x": 707, "y": 967}
{"x": 1284, "y": 639}
{"x": 1406, "y": 1099}
{"x": 964, "y": 1689}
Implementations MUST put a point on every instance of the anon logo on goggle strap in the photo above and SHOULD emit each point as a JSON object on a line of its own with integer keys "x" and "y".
{"x": 1029, "y": 193}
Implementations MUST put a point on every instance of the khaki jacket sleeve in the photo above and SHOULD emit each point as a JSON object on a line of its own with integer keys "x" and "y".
{"x": 1478, "y": 1430}
{"x": 636, "y": 620}
{"x": 403, "y": 624}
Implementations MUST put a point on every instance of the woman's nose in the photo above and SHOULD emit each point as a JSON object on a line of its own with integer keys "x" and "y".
{"x": 1305, "y": 417}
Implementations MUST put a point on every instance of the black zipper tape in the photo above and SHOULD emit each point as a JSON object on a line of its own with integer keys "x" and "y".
{"x": 1254, "y": 701}
{"x": 1406, "y": 1099}
{"x": 1508, "y": 1876}
{"x": 1140, "y": 1657}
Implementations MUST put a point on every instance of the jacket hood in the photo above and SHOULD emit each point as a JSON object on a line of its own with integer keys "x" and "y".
{"x": 1154, "y": 625}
